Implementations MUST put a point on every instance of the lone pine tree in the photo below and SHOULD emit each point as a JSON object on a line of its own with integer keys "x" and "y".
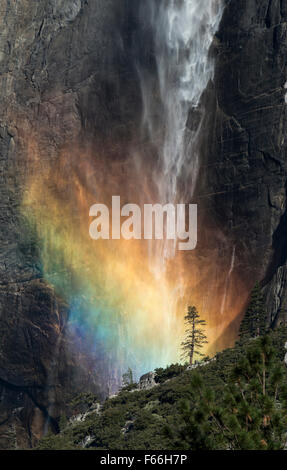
{"x": 254, "y": 321}
{"x": 195, "y": 336}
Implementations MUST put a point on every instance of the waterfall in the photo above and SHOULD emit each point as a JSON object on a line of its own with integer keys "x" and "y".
{"x": 227, "y": 281}
{"x": 183, "y": 34}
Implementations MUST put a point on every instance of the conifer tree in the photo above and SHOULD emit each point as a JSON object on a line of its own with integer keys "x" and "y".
{"x": 258, "y": 381}
{"x": 195, "y": 336}
{"x": 128, "y": 378}
{"x": 254, "y": 321}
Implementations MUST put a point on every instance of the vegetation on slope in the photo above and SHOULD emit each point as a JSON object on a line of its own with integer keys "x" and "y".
{"x": 237, "y": 401}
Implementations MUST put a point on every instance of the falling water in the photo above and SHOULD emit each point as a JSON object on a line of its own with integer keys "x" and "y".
{"x": 183, "y": 34}
{"x": 227, "y": 281}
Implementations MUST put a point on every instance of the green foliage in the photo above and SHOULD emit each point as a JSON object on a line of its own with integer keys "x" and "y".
{"x": 221, "y": 405}
{"x": 254, "y": 321}
{"x": 195, "y": 336}
{"x": 130, "y": 387}
{"x": 63, "y": 422}
{"x": 59, "y": 442}
{"x": 86, "y": 399}
{"x": 171, "y": 371}
{"x": 246, "y": 416}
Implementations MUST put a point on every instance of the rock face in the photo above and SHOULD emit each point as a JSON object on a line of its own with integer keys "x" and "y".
{"x": 65, "y": 66}
{"x": 147, "y": 381}
{"x": 55, "y": 57}
{"x": 39, "y": 370}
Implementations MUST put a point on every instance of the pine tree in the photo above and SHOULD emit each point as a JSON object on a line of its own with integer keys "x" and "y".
{"x": 257, "y": 400}
{"x": 128, "y": 378}
{"x": 195, "y": 336}
{"x": 254, "y": 321}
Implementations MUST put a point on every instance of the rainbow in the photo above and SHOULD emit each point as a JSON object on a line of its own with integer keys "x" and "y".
{"x": 119, "y": 292}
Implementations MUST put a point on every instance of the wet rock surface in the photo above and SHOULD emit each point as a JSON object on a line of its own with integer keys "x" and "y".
{"x": 243, "y": 183}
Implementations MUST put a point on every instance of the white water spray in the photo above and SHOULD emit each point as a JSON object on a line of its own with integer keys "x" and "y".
{"x": 183, "y": 34}
{"x": 184, "y": 31}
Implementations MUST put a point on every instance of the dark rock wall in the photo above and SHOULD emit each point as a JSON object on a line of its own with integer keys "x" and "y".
{"x": 243, "y": 181}
{"x": 61, "y": 66}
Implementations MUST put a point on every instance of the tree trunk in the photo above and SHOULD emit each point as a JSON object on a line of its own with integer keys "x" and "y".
{"x": 191, "y": 357}
{"x": 264, "y": 376}
{"x": 192, "y": 344}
